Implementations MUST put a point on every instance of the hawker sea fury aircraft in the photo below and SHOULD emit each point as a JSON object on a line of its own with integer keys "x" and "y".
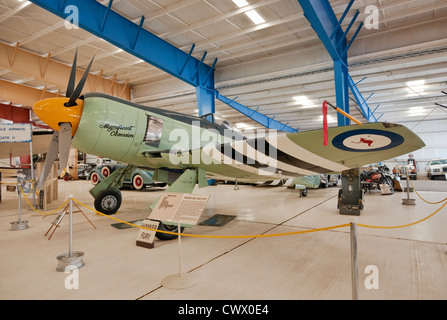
{"x": 184, "y": 150}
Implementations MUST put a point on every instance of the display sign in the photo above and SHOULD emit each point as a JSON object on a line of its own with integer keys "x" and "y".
{"x": 146, "y": 237}
{"x": 183, "y": 208}
{"x": 16, "y": 132}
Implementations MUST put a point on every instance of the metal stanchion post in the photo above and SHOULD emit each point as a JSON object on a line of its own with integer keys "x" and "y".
{"x": 19, "y": 224}
{"x": 179, "y": 251}
{"x": 354, "y": 261}
{"x": 72, "y": 258}
{"x": 408, "y": 201}
{"x": 180, "y": 280}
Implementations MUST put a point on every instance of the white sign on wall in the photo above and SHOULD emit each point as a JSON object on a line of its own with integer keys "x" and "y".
{"x": 16, "y": 132}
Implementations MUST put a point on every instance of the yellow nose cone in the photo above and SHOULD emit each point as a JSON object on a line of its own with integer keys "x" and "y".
{"x": 52, "y": 111}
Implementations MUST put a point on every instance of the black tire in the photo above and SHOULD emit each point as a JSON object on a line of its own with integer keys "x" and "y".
{"x": 170, "y": 228}
{"x": 108, "y": 201}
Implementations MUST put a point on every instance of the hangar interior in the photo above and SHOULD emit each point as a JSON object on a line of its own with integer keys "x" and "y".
{"x": 269, "y": 59}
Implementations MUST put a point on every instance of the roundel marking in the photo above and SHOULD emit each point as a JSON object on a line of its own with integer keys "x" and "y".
{"x": 365, "y": 140}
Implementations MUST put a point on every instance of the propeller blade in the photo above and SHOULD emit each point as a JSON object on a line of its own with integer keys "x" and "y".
{"x": 77, "y": 92}
{"x": 64, "y": 144}
{"x": 49, "y": 160}
{"x": 72, "y": 79}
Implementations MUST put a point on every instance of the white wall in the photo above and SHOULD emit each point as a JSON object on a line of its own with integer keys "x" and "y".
{"x": 434, "y": 134}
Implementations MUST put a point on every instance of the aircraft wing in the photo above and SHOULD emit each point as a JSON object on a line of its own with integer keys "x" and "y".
{"x": 303, "y": 153}
{"x": 41, "y": 141}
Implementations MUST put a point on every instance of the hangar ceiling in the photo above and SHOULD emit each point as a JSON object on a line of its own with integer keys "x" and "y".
{"x": 277, "y": 65}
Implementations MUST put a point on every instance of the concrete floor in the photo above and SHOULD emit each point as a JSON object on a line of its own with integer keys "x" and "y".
{"x": 411, "y": 262}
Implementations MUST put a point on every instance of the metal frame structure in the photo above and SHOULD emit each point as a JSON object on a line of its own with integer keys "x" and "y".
{"x": 328, "y": 28}
{"x": 103, "y": 22}
{"x": 106, "y": 24}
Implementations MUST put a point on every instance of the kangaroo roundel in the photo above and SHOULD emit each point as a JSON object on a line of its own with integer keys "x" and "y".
{"x": 363, "y": 140}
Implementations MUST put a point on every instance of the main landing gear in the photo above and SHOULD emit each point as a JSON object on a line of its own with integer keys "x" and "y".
{"x": 108, "y": 200}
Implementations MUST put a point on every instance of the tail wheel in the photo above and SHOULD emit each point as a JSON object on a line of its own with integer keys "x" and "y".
{"x": 138, "y": 182}
{"x": 170, "y": 228}
{"x": 108, "y": 201}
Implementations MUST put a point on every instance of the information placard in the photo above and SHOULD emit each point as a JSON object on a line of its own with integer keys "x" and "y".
{"x": 16, "y": 132}
{"x": 146, "y": 237}
{"x": 185, "y": 208}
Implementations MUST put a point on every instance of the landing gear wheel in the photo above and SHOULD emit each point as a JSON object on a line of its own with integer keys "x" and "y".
{"x": 108, "y": 201}
{"x": 170, "y": 228}
{"x": 137, "y": 182}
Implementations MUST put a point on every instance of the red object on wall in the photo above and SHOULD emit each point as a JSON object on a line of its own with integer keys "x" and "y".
{"x": 325, "y": 128}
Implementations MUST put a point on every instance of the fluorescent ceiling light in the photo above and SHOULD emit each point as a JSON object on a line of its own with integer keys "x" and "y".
{"x": 301, "y": 99}
{"x": 240, "y": 3}
{"x": 417, "y": 111}
{"x": 304, "y": 101}
{"x": 241, "y": 125}
{"x": 252, "y": 14}
{"x": 330, "y": 119}
{"x": 416, "y": 83}
{"x": 255, "y": 17}
{"x": 416, "y": 87}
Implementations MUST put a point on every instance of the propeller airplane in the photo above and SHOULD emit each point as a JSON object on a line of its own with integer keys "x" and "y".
{"x": 185, "y": 150}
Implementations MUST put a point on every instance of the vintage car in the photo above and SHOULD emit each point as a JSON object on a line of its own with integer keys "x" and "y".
{"x": 410, "y": 166}
{"x": 137, "y": 179}
{"x": 329, "y": 179}
{"x": 436, "y": 168}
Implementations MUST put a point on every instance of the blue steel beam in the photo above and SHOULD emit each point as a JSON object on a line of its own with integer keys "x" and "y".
{"x": 106, "y": 24}
{"x": 125, "y": 34}
{"x": 323, "y": 20}
{"x": 103, "y": 22}
{"x": 328, "y": 28}
{"x": 256, "y": 116}
{"x": 364, "y": 108}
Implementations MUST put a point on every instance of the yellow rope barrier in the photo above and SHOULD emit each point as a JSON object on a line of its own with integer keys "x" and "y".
{"x": 239, "y": 237}
{"x": 423, "y": 198}
{"x": 208, "y": 236}
{"x": 405, "y": 225}
{"x": 413, "y": 223}
{"x": 40, "y": 212}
